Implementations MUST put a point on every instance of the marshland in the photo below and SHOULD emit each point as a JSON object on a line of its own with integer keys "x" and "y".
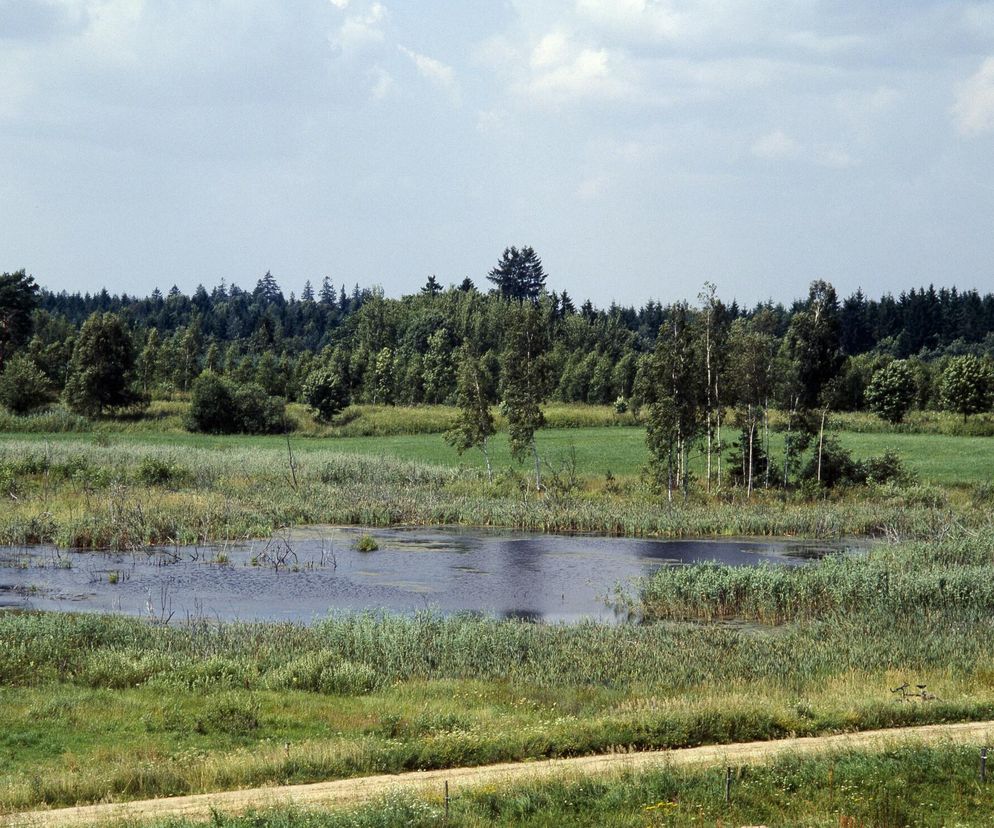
{"x": 213, "y": 585}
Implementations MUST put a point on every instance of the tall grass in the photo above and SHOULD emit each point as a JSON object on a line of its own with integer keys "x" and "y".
{"x": 954, "y": 576}
{"x": 368, "y": 694}
{"x": 118, "y": 493}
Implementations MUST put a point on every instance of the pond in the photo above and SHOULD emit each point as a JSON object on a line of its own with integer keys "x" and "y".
{"x": 303, "y": 577}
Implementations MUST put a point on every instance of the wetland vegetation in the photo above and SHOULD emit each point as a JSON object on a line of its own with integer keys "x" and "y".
{"x": 586, "y": 421}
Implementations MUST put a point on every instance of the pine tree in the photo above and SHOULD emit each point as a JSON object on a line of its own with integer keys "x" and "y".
{"x": 431, "y": 287}
{"x": 267, "y": 290}
{"x": 308, "y": 294}
{"x": 18, "y": 298}
{"x": 519, "y": 274}
{"x": 327, "y": 294}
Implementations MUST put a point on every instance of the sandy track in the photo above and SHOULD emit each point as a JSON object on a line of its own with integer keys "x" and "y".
{"x": 358, "y": 790}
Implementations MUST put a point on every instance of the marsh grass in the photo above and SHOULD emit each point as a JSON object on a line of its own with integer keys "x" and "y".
{"x": 150, "y": 710}
{"x": 125, "y": 493}
{"x": 954, "y": 576}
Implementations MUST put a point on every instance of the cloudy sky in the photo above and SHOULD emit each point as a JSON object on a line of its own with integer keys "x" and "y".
{"x": 641, "y": 146}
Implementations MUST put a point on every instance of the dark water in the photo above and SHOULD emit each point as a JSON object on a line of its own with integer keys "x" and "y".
{"x": 541, "y": 577}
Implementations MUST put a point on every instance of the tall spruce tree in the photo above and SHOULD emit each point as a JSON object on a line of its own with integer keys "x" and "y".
{"x": 18, "y": 298}
{"x": 519, "y": 274}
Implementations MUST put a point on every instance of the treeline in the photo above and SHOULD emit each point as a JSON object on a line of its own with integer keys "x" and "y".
{"x": 332, "y": 346}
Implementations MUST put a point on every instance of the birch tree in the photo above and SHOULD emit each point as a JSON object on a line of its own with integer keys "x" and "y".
{"x": 475, "y": 423}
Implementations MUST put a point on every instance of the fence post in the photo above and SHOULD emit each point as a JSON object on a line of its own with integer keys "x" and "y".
{"x": 983, "y": 764}
{"x": 728, "y": 786}
{"x": 446, "y": 800}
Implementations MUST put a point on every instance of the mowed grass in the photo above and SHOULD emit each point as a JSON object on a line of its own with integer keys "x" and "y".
{"x": 935, "y": 458}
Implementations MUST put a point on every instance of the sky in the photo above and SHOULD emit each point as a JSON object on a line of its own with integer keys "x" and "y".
{"x": 642, "y": 147}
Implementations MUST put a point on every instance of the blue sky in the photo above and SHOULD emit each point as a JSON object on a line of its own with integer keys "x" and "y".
{"x": 641, "y": 147}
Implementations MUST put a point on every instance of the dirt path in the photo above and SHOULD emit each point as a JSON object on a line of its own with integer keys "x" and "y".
{"x": 355, "y": 791}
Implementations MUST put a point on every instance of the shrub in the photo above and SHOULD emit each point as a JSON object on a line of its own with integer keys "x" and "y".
{"x": 837, "y": 466}
{"x": 23, "y": 386}
{"x": 366, "y": 543}
{"x": 229, "y": 715}
{"x": 257, "y": 412}
{"x": 212, "y": 408}
{"x": 219, "y": 406}
{"x": 888, "y": 468}
{"x": 155, "y": 471}
{"x": 892, "y": 391}
{"x": 326, "y": 393}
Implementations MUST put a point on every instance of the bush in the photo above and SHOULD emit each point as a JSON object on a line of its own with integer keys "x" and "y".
{"x": 219, "y": 406}
{"x": 212, "y": 408}
{"x": 326, "y": 393}
{"x": 837, "y": 466}
{"x": 155, "y": 471}
{"x": 257, "y": 412}
{"x": 229, "y": 715}
{"x": 366, "y": 543}
{"x": 892, "y": 391}
{"x": 23, "y": 386}
{"x": 888, "y": 468}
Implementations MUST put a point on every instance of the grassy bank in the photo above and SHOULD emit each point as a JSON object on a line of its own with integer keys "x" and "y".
{"x": 169, "y": 417}
{"x": 127, "y": 492}
{"x": 140, "y": 714}
{"x": 905, "y": 786}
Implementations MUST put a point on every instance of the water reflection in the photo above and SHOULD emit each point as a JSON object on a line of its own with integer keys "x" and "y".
{"x": 533, "y": 577}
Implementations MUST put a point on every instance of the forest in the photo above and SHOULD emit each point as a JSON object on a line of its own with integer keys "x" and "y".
{"x": 510, "y": 345}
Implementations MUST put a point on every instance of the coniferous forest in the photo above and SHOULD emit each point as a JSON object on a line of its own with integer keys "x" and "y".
{"x": 406, "y": 350}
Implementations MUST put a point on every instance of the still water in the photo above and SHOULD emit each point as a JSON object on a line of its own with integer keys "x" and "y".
{"x": 317, "y": 571}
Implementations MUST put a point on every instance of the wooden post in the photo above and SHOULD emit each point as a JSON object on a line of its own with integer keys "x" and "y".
{"x": 446, "y": 800}
{"x": 983, "y": 764}
{"x": 728, "y": 786}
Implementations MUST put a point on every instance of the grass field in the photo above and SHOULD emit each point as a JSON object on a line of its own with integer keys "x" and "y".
{"x": 936, "y": 458}
{"x": 906, "y": 786}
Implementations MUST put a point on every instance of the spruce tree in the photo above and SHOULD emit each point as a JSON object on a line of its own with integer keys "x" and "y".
{"x": 519, "y": 274}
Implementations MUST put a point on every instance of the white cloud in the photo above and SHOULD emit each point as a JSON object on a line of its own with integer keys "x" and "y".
{"x": 383, "y": 83}
{"x": 551, "y": 50}
{"x": 779, "y": 146}
{"x": 441, "y": 74}
{"x": 636, "y": 17}
{"x": 561, "y": 70}
{"x": 359, "y": 31}
{"x": 834, "y": 157}
{"x": 776, "y": 145}
{"x": 974, "y": 106}
{"x": 339, "y": 4}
